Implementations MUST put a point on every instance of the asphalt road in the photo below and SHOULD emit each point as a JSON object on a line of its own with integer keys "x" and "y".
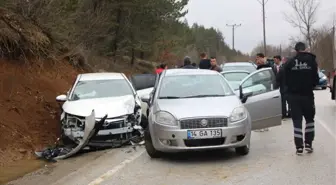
{"x": 271, "y": 161}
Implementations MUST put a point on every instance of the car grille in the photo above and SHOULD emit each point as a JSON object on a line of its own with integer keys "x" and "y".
{"x": 204, "y": 142}
{"x": 196, "y": 123}
{"x": 114, "y": 124}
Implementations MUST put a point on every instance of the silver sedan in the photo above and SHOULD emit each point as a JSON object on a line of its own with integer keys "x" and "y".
{"x": 198, "y": 110}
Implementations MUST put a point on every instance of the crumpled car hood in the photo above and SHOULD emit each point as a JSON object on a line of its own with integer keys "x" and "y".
{"x": 113, "y": 107}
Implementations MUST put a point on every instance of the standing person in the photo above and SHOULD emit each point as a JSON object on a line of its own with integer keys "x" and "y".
{"x": 301, "y": 76}
{"x": 277, "y": 64}
{"x": 261, "y": 61}
{"x": 280, "y": 79}
{"x": 164, "y": 66}
{"x": 187, "y": 63}
{"x": 214, "y": 65}
{"x": 205, "y": 62}
{"x": 160, "y": 68}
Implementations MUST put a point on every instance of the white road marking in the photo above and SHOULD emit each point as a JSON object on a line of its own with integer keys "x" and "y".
{"x": 325, "y": 126}
{"x": 115, "y": 169}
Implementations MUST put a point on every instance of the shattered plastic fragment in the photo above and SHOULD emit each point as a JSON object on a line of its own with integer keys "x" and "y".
{"x": 91, "y": 129}
{"x": 88, "y": 132}
{"x": 137, "y": 127}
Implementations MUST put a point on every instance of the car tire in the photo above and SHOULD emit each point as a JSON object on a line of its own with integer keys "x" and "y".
{"x": 324, "y": 88}
{"x": 151, "y": 151}
{"x": 243, "y": 150}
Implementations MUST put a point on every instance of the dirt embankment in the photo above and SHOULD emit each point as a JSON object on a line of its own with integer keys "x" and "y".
{"x": 28, "y": 110}
{"x": 29, "y": 113}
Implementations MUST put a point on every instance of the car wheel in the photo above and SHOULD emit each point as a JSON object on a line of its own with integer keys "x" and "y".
{"x": 324, "y": 88}
{"x": 244, "y": 150}
{"x": 152, "y": 152}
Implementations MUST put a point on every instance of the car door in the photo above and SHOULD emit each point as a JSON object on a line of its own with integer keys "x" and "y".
{"x": 264, "y": 102}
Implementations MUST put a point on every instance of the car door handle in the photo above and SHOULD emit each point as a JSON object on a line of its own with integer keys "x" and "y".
{"x": 276, "y": 96}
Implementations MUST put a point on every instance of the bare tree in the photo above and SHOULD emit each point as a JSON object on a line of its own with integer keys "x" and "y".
{"x": 303, "y": 17}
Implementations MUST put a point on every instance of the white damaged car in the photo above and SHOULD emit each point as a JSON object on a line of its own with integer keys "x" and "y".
{"x": 110, "y": 95}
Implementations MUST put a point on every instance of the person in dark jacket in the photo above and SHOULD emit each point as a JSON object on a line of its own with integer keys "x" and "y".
{"x": 261, "y": 61}
{"x": 214, "y": 65}
{"x": 187, "y": 63}
{"x": 280, "y": 79}
{"x": 205, "y": 62}
{"x": 301, "y": 76}
{"x": 277, "y": 64}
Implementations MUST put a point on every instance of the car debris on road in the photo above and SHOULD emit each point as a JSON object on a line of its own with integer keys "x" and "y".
{"x": 64, "y": 151}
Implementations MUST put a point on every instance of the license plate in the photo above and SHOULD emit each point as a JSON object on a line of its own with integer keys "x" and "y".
{"x": 204, "y": 134}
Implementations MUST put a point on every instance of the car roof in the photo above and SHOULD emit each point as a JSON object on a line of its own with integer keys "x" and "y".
{"x": 181, "y": 72}
{"x": 238, "y": 64}
{"x": 101, "y": 76}
{"x": 235, "y": 71}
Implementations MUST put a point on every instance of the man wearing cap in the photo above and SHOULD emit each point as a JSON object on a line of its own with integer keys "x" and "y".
{"x": 301, "y": 76}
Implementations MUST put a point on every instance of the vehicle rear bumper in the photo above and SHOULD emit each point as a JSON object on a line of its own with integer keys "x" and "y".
{"x": 232, "y": 136}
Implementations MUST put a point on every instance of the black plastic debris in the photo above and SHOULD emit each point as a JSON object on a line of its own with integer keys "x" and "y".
{"x": 59, "y": 151}
{"x": 49, "y": 154}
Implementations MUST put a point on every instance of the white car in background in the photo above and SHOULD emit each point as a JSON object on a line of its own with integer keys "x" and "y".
{"x": 109, "y": 95}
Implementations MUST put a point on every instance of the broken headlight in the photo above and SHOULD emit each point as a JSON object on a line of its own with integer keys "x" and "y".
{"x": 72, "y": 121}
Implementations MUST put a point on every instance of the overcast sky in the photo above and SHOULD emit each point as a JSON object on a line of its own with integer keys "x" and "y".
{"x": 218, "y": 13}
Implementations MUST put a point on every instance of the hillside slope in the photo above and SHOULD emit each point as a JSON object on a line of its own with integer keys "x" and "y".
{"x": 28, "y": 110}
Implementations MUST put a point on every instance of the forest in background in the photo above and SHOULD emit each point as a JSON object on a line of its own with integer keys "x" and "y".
{"x": 150, "y": 30}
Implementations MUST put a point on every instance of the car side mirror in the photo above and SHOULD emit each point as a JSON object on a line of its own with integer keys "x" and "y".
{"x": 61, "y": 98}
{"x": 244, "y": 96}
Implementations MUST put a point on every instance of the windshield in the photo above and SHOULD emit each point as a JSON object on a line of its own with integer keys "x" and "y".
{"x": 190, "y": 86}
{"x": 235, "y": 78}
{"x": 101, "y": 89}
{"x": 249, "y": 68}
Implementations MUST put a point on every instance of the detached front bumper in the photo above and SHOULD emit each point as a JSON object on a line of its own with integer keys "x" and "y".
{"x": 174, "y": 139}
{"x": 119, "y": 128}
